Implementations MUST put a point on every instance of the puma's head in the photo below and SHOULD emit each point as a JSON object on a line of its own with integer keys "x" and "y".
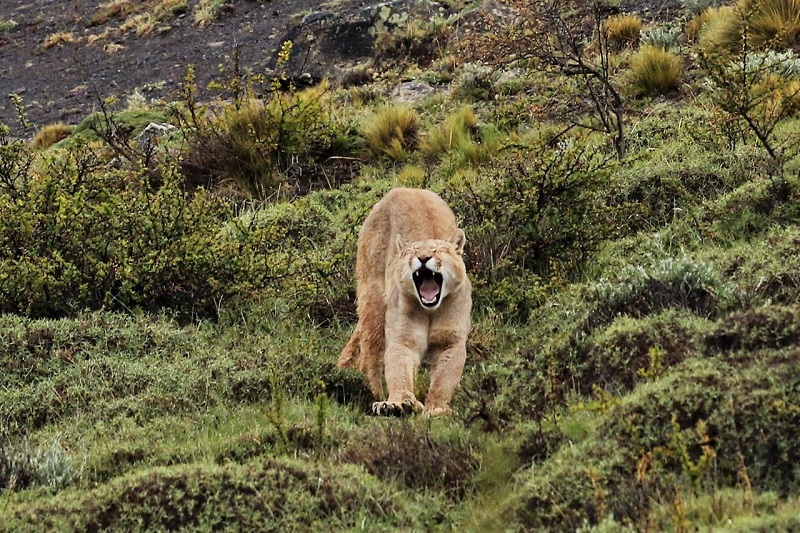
{"x": 432, "y": 269}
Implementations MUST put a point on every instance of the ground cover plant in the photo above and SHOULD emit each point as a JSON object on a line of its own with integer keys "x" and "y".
{"x": 172, "y": 306}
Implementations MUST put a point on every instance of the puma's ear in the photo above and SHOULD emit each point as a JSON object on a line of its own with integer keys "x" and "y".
{"x": 401, "y": 243}
{"x": 459, "y": 239}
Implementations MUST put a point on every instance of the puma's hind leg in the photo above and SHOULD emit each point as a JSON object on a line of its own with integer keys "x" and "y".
{"x": 372, "y": 338}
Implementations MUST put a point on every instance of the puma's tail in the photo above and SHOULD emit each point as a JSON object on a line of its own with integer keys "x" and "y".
{"x": 350, "y": 353}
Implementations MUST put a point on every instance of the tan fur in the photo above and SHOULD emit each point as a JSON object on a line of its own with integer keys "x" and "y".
{"x": 394, "y": 328}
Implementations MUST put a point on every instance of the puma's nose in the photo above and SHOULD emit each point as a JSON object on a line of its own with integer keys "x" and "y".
{"x": 423, "y": 259}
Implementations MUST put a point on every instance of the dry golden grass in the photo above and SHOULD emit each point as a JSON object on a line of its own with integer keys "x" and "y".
{"x": 695, "y": 25}
{"x": 767, "y": 24}
{"x": 58, "y": 38}
{"x": 140, "y": 18}
{"x": 49, "y": 135}
{"x": 111, "y": 10}
{"x": 623, "y": 30}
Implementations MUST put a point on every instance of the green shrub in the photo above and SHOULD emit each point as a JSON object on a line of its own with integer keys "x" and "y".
{"x": 706, "y": 424}
{"x": 664, "y": 37}
{"x": 771, "y": 327}
{"x": 674, "y": 282}
{"x": 768, "y": 271}
{"x": 753, "y": 209}
{"x": 74, "y": 236}
{"x": 669, "y": 186}
{"x": 655, "y": 71}
{"x": 260, "y": 148}
{"x": 392, "y": 131}
{"x": 532, "y": 221}
{"x": 22, "y": 466}
{"x": 415, "y": 456}
{"x": 476, "y": 83}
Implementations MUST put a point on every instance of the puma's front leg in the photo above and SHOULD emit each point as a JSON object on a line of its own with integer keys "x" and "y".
{"x": 448, "y": 350}
{"x": 405, "y": 344}
{"x": 445, "y": 377}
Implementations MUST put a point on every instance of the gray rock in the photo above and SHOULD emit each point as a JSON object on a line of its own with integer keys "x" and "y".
{"x": 152, "y": 134}
{"x": 412, "y": 91}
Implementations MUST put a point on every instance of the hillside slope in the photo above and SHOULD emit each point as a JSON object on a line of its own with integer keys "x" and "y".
{"x": 173, "y": 303}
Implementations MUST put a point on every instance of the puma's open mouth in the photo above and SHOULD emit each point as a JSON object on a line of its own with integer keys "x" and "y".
{"x": 429, "y": 286}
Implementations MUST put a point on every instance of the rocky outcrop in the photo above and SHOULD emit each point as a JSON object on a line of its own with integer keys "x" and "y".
{"x": 328, "y": 43}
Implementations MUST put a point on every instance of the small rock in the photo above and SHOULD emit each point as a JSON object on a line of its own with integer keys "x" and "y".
{"x": 152, "y": 133}
{"x": 412, "y": 91}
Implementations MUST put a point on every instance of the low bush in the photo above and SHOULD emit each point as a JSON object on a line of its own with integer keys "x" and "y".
{"x": 418, "y": 42}
{"x": 664, "y": 37}
{"x": 706, "y": 424}
{"x": 533, "y": 221}
{"x": 673, "y": 282}
{"x": 266, "y": 495}
{"x": 77, "y": 236}
{"x": 24, "y": 466}
{"x": 416, "y": 456}
{"x": 261, "y": 148}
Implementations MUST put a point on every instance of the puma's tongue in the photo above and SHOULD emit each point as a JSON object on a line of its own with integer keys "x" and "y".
{"x": 429, "y": 290}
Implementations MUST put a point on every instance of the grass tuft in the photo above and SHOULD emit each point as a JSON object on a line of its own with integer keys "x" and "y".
{"x": 392, "y": 131}
{"x": 49, "y": 135}
{"x": 655, "y": 71}
{"x": 623, "y": 30}
{"x": 116, "y": 9}
{"x": 455, "y": 132}
{"x": 767, "y": 24}
{"x": 6, "y": 25}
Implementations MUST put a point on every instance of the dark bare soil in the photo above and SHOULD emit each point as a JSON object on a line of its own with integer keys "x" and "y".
{"x": 67, "y": 81}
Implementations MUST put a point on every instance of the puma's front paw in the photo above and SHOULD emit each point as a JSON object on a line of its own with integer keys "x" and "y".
{"x": 437, "y": 411}
{"x": 406, "y": 407}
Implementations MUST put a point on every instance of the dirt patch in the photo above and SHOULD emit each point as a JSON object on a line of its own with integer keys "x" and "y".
{"x": 65, "y": 81}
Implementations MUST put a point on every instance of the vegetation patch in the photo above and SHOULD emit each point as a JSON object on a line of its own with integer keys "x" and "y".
{"x": 273, "y": 494}
{"x": 417, "y": 457}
